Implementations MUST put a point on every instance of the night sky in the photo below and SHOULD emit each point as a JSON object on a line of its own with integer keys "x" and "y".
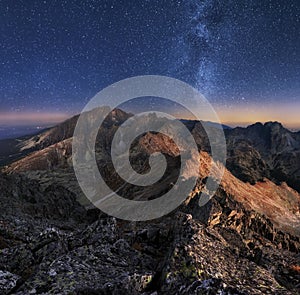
{"x": 242, "y": 55}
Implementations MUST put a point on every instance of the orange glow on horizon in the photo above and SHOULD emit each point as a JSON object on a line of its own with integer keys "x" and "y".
{"x": 287, "y": 114}
{"x": 20, "y": 118}
{"x": 239, "y": 115}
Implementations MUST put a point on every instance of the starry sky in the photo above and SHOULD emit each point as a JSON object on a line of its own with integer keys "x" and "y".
{"x": 243, "y": 55}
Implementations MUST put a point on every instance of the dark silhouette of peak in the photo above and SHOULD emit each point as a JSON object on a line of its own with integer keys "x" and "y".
{"x": 264, "y": 150}
{"x": 255, "y": 125}
{"x": 272, "y": 124}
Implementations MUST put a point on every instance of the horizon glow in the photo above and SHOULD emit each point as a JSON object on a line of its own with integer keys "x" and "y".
{"x": 31, "y": 118}
{"x": 287, "y": 114}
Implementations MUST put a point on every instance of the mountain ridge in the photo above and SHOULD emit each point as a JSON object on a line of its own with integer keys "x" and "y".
{"x": 248, "y": 157}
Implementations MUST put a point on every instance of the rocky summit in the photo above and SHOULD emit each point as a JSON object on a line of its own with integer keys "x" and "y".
{"x": 245, "y": 240}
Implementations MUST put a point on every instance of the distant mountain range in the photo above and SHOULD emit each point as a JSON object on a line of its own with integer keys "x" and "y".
{"x": 8, "y": 132}
{"x": 259, "y": 155}
{"x": 256, "y": 152}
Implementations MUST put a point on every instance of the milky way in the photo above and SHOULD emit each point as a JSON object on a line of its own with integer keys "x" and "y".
{"x": 243, "y": 51}
{"x": 55, "y": 55}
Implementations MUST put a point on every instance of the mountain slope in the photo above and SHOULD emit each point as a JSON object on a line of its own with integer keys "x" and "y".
{"x": 257, "y": 155}
{"x": 43, "y": 251}
{"x": 278, "y": 202}
{"x": 267, "y": 150}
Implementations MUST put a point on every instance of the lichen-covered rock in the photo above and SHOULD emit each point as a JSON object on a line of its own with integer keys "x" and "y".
{"x": 201, "y": 261}
{"x": 8, "y": 281}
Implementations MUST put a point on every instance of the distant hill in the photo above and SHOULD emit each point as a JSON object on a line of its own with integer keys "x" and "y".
{"x": 256, "y": 152}
{"x": 9, "y": 132}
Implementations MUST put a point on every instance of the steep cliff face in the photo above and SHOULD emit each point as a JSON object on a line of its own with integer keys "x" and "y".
{"x": 268, "y": 138}
{"x": 278, "y": 203}
{"x": 267, "y": 150}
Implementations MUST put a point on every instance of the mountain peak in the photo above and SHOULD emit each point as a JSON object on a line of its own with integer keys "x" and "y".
{"x": 272, "y": 124}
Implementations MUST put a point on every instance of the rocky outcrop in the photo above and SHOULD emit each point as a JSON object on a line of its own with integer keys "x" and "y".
{"x": 51, "y": 245}
{"x": 8, "y": 281}
{"x": 207, "y": 260}
{"x": 20, "y": 197}
{"x": 246, "y": 163}
{"x": 49, "y": 158}
{"x": 267, "y": 150}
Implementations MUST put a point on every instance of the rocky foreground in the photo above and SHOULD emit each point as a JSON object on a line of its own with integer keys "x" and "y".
{"x": 50, "y": 244}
